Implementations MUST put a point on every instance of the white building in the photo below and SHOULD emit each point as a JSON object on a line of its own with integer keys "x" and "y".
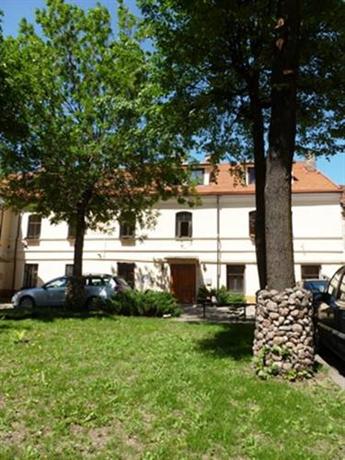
{"x": 209, "y": 244}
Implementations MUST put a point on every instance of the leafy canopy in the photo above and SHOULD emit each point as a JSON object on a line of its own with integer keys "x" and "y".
{"x": 212, "y": 55}
{"x": 96, "y": 137}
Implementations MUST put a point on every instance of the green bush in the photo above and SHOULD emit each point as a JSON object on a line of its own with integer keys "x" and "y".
{"x": 147, "y": 303}
{"x": 222, "y": 295}
{"x": 225, "y": 296}
{"x": 205, "y": 293}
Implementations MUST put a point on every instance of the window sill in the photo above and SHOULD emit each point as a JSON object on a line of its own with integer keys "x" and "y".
{"x": 32, "y": 241}
{"x": 127, "y": 240}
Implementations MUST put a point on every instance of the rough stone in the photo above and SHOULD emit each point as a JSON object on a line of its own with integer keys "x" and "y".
{"x": 274, "y": 315}
{"x": 297, "y": 328}
{"x": 284, "y": 319}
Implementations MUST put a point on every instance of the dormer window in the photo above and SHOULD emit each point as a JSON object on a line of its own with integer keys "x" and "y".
{"x": 197, "y": 176}
{"x": 250, "y": 175}
{"x": 184, "y": 228}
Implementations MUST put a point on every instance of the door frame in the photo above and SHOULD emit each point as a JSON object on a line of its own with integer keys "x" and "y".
{"x": 185, "y": 261}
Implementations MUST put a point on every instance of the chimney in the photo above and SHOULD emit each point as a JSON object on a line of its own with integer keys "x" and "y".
{"x": 310, "y": 162}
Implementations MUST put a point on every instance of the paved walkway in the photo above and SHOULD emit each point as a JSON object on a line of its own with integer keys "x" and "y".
{"x": 195, "y": 313}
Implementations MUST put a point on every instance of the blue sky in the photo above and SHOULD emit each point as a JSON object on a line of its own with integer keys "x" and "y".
{"x": 14, "y": 10}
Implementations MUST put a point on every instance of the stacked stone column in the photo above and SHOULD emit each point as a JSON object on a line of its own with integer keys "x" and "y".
{"x": 284, "y": 333}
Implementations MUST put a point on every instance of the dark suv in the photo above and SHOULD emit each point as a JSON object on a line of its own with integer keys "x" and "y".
{"x": 330, "y": 315}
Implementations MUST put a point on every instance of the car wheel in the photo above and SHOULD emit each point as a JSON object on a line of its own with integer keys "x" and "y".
{"x": 27, "y": 302}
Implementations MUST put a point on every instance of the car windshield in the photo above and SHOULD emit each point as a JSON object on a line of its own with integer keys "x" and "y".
{"x": 316, "y": 285}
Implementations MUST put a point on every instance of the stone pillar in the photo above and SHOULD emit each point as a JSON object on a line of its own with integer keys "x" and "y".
{"x": 284, "y": 333}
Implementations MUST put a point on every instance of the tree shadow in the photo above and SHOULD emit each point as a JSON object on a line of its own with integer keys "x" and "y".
{"x": 233, "y": 340}
{"x": 51, "y": 314}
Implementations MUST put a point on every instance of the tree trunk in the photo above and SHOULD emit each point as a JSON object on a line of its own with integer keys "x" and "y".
{"x": 260, "y": 179}
{"x": 75, "y": 298}
{"x": 279, "y": 243}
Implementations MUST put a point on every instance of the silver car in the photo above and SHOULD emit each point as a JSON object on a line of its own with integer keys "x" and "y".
{"x": 53, "y": 294}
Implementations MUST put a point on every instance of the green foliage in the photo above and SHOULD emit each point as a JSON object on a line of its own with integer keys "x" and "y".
{"x": 215, "y": 63}
{"x": 143, "y": 303}
{"x": 222, "y": 295}
{"x": 225, "y": 296}
{"x": 97, "y": 146}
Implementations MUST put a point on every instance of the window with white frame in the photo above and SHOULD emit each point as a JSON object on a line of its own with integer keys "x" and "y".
{"x": 71, "y": 231}
{"x": 69, "y": 269}
{"x": 250, "y": 175}
{"x": 34, "y": 227}
{"x": 197, "y": 176}
{"x": 127, "y": 229}
{"x": 310, "y": 271}
{"x": 184, "y": 225}
{"x": 252, "y": 219}
{"x": 235, "y": 278}
{"x": 30, "y": 275}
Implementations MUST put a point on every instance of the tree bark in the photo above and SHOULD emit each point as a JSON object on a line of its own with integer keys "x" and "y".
{"x": 279, "y": 243}
{"x": 75, "y": 298}
{"x": 260, "y": 178}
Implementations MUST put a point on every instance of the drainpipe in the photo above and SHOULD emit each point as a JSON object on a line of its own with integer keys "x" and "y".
{"x": 218, "y": 243}
{"x": 15, "y": 252}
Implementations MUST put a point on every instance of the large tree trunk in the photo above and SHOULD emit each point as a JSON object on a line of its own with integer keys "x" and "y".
{"x": 75, "y": 298}
{"x": 279, "y": 242}
{"x": 283, "y": 341}
{"x": 260, "y": 178}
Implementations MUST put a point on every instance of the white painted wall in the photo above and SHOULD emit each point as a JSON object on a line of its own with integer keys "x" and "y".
{"x": 318, "y": 238}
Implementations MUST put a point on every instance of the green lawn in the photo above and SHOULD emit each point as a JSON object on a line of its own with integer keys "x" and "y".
{"x": 134, "y": 388}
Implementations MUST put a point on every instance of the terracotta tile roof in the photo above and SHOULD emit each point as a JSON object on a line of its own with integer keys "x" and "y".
{"x": 305, "y": 180}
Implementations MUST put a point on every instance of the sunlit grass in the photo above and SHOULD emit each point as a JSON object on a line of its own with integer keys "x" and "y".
{"x": 123, "y": 388}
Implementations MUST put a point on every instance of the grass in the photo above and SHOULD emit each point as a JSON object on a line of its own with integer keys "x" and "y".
{"x": 135, "y": 388}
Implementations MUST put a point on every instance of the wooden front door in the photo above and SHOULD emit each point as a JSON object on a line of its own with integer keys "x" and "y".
{"x": 183, "y": 282}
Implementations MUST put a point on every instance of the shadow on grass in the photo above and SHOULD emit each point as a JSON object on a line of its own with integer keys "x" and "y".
{"x": 50, "y": 314}
{"x": 233, "y": 340}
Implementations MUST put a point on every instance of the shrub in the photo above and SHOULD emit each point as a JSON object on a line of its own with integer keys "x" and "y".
{"x": 147, "y": 303}
{"x": 225, "y": 296}
{"x": 222, "y": 295}
{"x": 204, "y": 292}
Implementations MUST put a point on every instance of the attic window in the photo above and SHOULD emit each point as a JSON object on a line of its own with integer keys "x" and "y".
{"x": 250, "y": 175}
{"x": 197, "y": 176}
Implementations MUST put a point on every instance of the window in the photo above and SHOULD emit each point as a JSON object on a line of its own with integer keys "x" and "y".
{"x": 197, "y": 176}
{"x": 235, "y": 278}
{"x": 30, "y": 275}
{"x": 310, "y": 271}
{"x": 95, "y": 281}
{"x": 34, "y": 227}
{"x": 59, "y": 283}
{"x": 334, "y": 282}
{"x": 69, "y": 269}
{"x": 184, "y": 228}
{"x": 127, "y": 229}
{"x": 341, "y": 293}
{"x": 250, "y": 175}
{"x": 126, "y": 271}
{"x": 252, "y": 218}
{"x": 71, "y": 232}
